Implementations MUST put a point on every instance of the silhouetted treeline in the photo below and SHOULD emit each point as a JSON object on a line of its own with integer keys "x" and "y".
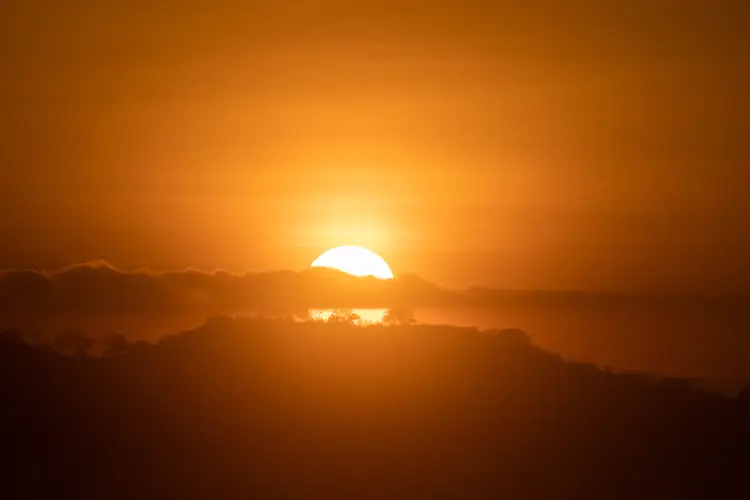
{"x": 261, "y": 408}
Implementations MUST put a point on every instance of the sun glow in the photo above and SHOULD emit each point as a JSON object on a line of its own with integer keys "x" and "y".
{"x": 354, "y": 260}
{"x": 361, "y": 317}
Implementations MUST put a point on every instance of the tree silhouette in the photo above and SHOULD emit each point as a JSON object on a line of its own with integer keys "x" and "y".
{"x": 399, "y": 316}
{"x": 74, "y": 343}
{"x": 271, "y": 408}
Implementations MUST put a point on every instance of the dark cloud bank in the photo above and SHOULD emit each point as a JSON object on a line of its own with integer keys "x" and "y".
{"x": 99, "y": 286}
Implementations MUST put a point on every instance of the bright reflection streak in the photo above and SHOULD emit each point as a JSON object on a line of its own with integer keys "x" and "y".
{"x": 363, "y": 316}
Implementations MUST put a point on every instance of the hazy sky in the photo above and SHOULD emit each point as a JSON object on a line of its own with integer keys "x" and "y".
{"x": 540, "y": 144}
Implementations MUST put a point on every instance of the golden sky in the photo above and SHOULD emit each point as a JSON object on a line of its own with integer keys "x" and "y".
{"x": 512, "y": 144}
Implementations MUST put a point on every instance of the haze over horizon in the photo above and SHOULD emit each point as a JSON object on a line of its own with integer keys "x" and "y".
{"x": 534, "y": 146}
{"x": 376, "y": 249}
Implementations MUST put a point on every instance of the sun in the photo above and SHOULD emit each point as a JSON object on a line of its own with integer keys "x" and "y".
{"x": 354, "y": 260}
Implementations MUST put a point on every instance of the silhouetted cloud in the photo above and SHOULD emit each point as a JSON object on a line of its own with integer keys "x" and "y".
{"x": 100, "y": 286}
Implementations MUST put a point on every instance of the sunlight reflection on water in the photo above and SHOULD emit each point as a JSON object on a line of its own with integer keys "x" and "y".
{"x": 356, "y": 316}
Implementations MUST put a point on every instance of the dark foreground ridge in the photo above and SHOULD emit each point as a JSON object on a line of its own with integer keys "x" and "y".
{"x": 259, "y": 408}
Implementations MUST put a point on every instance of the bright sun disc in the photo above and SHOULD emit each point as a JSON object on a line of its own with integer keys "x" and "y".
{"x": 357, "y": 261}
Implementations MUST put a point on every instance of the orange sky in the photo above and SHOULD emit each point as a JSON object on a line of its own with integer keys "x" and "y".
{"x": 534, "y": 146}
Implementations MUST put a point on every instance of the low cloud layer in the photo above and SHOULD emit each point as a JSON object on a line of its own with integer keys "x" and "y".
{"x": 100, "y": 286}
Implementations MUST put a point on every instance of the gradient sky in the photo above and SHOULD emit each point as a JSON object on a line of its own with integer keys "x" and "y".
{"x": 590, "y": 145}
